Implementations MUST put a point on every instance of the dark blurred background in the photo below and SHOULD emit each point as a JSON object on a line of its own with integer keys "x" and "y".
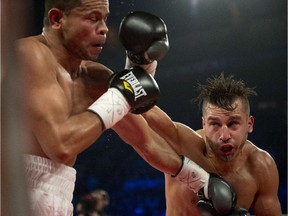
{"x": 241, "y": 37}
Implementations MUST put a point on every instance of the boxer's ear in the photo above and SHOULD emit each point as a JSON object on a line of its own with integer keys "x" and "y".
{"x": 250, "y": 124}
{"x": 55, "y": 15}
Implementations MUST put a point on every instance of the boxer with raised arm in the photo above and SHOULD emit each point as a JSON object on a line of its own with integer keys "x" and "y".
{"x": 221, "y": 147}
{"x": 134, "y": 29}
{"x": 67, "y": 99}
{"x": 69, "y": 102}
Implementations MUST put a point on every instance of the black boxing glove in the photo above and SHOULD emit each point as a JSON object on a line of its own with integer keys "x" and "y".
{"x": 239, "y": 211}
{"x": 144, "y": 36}
{"x": 208, "y": 186}
{"x": 206, "y": 208}
{"x": 220, "y": 193}
{"x": 139, "y": 88}
{"x": 131, "y": 90}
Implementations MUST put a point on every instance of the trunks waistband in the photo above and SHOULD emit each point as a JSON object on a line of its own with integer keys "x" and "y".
{"x": 44, "y": 174}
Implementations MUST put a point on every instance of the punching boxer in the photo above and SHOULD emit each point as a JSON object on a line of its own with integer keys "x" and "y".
{"x": 69, "y": 102}
{"x": 133, "y": 29}
{"x": 220, "y": 147}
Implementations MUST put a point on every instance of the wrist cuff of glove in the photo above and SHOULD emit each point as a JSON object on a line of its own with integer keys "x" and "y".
{"x": 139, "y": 58}
{"x": 111, "y": 107}
{"x": 149, "y": 68}
{"x": 193, "y": 175}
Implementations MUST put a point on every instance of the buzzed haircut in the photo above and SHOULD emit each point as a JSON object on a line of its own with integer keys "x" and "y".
{"x": 222, "y": 91}
{"x": 64, "y": 5}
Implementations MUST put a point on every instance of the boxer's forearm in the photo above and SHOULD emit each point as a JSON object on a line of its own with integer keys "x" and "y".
{"x": 134, "y": 130}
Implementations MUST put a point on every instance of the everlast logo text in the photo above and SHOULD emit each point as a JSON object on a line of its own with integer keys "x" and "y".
{"x": 134, "y": 84}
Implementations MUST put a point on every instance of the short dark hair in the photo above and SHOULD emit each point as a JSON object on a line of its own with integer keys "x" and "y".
{"x": 222, "y": 91}
{"x": 64, "y": 5}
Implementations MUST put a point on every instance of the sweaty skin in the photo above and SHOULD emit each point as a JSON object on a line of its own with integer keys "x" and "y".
{"x": 60, "y": 80}
{"x": 248, "y": 169}
{"x": 55, "y": 91}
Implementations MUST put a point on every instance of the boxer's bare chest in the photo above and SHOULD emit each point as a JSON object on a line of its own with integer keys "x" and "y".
{"x": 242, "y": 181}
{"x": 182, "y": 201}
{"x": 238, "y": 175}
{"x": 80, "y": 91}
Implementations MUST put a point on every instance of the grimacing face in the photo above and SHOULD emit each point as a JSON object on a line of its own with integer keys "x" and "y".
{"x": 226, "y": 131}
{"x": 84, "y": 29}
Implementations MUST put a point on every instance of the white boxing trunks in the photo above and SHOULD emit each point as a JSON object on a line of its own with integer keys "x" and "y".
{"x": 50, "y": 186}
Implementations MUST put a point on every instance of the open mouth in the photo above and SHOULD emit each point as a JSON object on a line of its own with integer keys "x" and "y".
{"x": 226, "y": 148}
{"x": 97, "y": 45}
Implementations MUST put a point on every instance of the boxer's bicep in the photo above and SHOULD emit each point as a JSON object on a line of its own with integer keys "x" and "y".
{"x": 266, "y": 200}
{"x": 44, "y": 100}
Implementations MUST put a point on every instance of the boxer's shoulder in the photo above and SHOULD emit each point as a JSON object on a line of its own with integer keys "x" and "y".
{"x": 257, "y": 158}
{"x": 34, "y": 41}
{"x": 253, "y": 152}
{"x": 34, "y": 47}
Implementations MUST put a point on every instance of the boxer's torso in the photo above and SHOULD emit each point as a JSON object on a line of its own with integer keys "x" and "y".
{"x": 181, "y": 201}
{"x": 80, "y": 89}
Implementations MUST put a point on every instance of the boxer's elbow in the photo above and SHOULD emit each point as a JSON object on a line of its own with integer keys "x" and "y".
{"x": 63, "y": 157}
{"x": 61, "y": 154}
